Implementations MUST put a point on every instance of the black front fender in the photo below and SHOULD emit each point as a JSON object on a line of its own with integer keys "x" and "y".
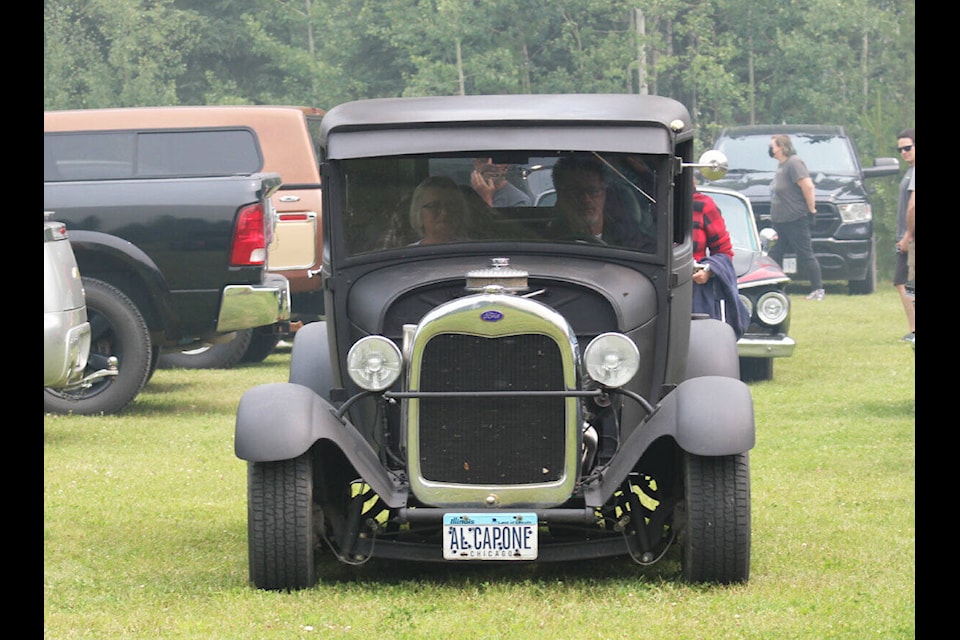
{"x": 706, "y": 416}
{"x": 282, "y": 421}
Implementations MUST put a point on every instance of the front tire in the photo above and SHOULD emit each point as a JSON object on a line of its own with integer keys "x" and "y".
{"x": 282, "y": 533}
{"x": 117, "y": 329}
{"x": 715, "y": 530}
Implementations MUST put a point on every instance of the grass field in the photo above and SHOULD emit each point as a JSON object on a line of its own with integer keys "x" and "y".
{"x": 144, "y": 521}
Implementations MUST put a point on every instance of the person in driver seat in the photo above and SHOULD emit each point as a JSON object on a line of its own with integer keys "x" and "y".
{"x": 586, "y": 206}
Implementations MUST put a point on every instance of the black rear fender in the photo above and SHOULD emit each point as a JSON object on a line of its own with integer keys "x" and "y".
{"x": 713, "y": 349}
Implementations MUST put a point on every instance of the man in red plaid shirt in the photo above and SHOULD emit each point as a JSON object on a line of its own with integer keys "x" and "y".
{"x": 709, "y": 229}
{"x": 715, "y": 280}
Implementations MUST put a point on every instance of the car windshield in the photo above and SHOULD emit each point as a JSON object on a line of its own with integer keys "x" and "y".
{"x": 822, "y": 153}
{"x": 400, "y": 202}
{"x": 738, "y": 219}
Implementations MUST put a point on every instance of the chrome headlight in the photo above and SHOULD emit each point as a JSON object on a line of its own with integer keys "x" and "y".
{"x": 612, "y": 359}
{"x": 374, "y": 363}
{"x": 748, "y": 303}
{"x": 856, "y": 212}
{"x": 773, "y": 307}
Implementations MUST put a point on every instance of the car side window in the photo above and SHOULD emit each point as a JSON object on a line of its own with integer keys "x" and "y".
{"x": 115, "y": 155}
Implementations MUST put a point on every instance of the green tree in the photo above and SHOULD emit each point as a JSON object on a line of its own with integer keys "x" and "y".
{"x": 113, "y": 53}
{"x": 730, "y": 61}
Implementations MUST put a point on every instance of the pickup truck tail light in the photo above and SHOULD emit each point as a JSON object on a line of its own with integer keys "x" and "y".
{"x": 249, "y": 246}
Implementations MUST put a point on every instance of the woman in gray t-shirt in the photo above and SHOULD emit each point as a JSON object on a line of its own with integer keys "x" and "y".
{"x": 792, "y": 207}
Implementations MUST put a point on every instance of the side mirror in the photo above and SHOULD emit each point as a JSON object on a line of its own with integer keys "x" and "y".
{"x": 712, "y": 164}
{"x": 882, "y": 167}
{"x": 768, "y": 237}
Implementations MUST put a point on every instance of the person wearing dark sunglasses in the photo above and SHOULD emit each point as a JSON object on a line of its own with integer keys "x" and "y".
{"x": 592, "y": 207}
{"x": 907, "y": 147}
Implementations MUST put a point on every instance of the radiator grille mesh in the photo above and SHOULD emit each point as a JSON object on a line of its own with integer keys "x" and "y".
{"x": 487, "y": 440}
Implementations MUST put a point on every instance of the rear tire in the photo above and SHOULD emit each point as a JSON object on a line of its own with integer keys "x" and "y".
{"x": 154, "y": 363}
{"x": 715, "y": 529}
{"x": 263, "y": 341}
{"x": 282, "y": 534}
{"x": 117, "y": 329}
{"x": 223, "y": 355}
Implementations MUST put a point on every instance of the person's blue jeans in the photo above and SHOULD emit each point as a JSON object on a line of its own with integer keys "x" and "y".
{"x": 794, "y": 237}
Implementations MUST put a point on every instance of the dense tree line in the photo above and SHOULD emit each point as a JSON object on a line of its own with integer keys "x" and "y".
{"x": 847, "y": 62}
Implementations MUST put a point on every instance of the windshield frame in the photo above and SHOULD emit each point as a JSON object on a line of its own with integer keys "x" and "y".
{"x": 348, "y": 181}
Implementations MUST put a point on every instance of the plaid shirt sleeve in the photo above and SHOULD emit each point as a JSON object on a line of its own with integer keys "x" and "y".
{"x": 709, "y": 229}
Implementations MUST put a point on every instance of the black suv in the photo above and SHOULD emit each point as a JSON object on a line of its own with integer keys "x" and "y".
{"x": 842, "y": 235}
{"x": 515, "y": 394}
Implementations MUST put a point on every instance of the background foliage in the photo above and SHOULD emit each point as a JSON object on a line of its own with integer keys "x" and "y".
{"x": 730, "y": 61}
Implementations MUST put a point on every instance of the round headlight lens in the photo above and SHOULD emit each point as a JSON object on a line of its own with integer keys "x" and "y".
{"x": 772, "y": 308}
{"x": 612, "y": 359}
{"x": 374, "y": 363}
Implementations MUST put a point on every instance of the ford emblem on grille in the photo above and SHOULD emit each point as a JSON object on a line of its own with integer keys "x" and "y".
{"x": 491, "y": 316}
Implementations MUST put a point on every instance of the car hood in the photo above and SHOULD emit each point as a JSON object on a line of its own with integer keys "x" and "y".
{"x": 755, "y": 267}
{"x": 386, "y": 298}
{"x": 756, "y": 186}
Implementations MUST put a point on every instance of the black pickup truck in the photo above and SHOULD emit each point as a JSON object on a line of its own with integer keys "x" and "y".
{"x": 168, "y": 258}
{"x": 842, "y": 233}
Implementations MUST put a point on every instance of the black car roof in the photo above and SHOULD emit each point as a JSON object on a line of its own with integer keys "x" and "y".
{"x": 513, "y": 107}
{"x": 498, "y": 110}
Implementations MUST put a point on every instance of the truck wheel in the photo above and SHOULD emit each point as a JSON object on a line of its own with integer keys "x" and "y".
{"x": 715, "y": 528}
{"x": 756, "y": 369}
{"x": 869, "y": 283}
{"x": 154, "y": 362}
{"x": 263, "y": 341}
{"x": 282, "y": 534}
{"x": 117, "y": 329}
{"x": 223, "y": 355}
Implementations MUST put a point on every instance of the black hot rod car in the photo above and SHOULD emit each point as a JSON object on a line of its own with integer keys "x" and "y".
{"x": 523, "y": 391}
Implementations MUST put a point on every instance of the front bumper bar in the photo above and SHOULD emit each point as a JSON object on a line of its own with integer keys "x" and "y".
{"x": 766, "y": 347}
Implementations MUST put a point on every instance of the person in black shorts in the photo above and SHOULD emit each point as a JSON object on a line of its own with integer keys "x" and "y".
{"x": 907, "y": 146}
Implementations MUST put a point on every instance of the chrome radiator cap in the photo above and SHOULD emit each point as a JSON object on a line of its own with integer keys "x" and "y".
{"x": 499, "y": 277}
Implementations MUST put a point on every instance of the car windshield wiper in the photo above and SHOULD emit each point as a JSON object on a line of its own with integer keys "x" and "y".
{"x": 624, "y": 178}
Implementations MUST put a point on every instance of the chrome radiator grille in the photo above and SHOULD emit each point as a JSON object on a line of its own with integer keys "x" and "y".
{"x": 492, "y": 440}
